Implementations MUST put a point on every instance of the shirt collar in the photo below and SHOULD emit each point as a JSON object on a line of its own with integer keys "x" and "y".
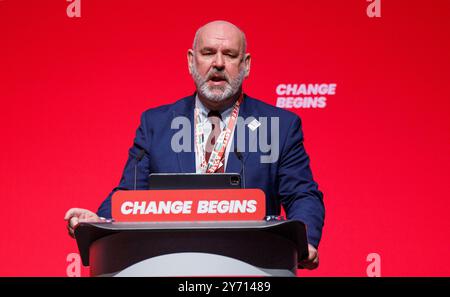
{"x": 204, "y": 110}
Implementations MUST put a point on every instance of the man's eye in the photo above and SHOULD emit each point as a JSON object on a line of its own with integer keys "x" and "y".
{"x": 231, "y": 55}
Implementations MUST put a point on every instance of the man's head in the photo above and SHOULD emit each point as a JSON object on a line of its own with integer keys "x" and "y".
{"x": 218, "y": 61}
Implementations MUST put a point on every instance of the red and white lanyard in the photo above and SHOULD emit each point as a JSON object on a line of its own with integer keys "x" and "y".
{"x": 215, "y": 160}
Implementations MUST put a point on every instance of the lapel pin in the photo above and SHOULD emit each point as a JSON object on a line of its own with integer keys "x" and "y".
{"x": 253, "y": 125}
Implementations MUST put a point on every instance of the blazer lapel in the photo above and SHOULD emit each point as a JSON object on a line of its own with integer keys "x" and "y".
{"x": 186, "y": 160}
{"x": 234, "y": 165}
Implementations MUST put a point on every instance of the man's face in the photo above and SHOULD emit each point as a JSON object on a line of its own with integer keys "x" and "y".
{"x": 218, "y": 64}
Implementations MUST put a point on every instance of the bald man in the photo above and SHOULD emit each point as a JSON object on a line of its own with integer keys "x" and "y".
{"x": 218, "y": 63}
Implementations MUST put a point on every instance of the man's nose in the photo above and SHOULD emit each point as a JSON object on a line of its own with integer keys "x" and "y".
{"x": 219, "y": 62}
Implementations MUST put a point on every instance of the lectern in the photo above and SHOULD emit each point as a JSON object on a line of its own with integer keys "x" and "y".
{"x": 212, "y": 248}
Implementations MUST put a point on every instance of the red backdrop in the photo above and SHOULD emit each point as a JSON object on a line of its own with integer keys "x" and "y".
{"x": 72, "y": 91}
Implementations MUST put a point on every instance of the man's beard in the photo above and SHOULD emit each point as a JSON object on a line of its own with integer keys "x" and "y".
{"x": 231, "y": 87}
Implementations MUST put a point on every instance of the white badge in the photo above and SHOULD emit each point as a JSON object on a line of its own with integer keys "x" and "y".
{"x": 254, "y": 125}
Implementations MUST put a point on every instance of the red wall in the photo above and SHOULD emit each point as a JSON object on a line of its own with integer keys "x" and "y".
{"x": 72, "y": 91}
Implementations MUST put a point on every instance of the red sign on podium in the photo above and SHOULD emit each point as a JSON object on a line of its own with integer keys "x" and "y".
{"x": 188, "y": 205}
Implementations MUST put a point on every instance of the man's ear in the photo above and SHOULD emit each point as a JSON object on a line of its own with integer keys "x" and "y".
{"x": 247, "y": 64}
{"x": 190, "y": 59}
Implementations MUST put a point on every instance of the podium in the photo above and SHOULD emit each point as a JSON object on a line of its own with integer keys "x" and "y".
{"x": 213, "y": 248}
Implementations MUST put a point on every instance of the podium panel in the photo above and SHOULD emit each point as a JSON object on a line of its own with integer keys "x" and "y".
{"x": 244, "y": 248}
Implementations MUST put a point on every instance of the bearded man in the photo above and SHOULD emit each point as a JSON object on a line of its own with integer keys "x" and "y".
{"x": 218, "y": 63}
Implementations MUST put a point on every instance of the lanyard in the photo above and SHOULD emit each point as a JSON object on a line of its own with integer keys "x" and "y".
{"x": 215, "y": 160}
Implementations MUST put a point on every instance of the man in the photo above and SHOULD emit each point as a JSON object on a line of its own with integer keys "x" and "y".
{"x": 218, "y": 63}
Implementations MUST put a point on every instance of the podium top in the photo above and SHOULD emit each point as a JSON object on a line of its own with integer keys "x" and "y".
{"x": 294, "y": 231}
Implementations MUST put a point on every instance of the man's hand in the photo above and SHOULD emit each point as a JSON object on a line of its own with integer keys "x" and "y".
{"x": 312, "y": 262}
{"x": 76, "y": 215}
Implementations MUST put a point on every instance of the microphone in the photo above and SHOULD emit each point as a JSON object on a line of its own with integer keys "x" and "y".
{"x": 241, "y": 158}
{"x": 139, "y": 157}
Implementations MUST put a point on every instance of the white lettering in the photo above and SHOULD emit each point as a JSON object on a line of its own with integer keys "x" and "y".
{"x": 126, "y": 208}
{"x": 281, "y": 102}
{"x": 281, "y": 89}
{"x": 251, "y": 206}
{"x": 374, "y": 268}
{"x": 74, "y": 9}
{"x": 139, "y": 207}
{"x": 74, "y": 267}
{"x": 374, "y": 9}
{"x": 151, "y": 208}
{"x": 202, "y": 206}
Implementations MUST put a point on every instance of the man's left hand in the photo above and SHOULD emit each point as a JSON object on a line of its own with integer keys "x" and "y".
{"x": 312, "y": 262}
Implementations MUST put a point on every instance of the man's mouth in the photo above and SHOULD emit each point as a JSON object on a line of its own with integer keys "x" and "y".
{"x": 217, "y": 78}
{"x": 217, "y": 81}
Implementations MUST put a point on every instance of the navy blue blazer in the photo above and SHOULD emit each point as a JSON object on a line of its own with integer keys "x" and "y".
{"x": 288, "y": 181}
